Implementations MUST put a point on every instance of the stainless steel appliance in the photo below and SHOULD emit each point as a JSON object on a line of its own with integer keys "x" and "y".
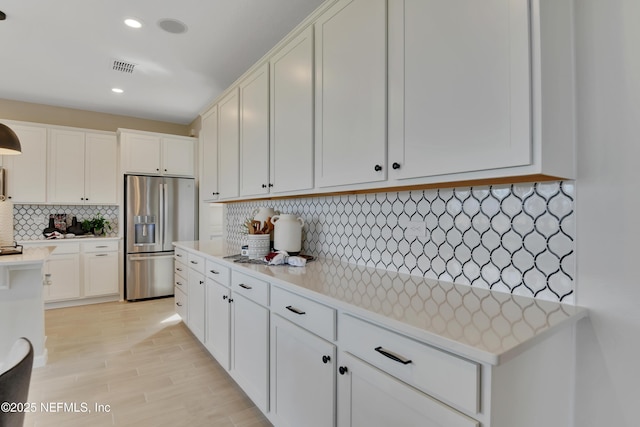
{"x": 158, "y": 211}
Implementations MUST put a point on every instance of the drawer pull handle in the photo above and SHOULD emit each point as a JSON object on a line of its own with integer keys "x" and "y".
{"x": 178, "y": 268}
{"x": 243, "y": 286}
{"x": 179, "y": 304}
{"x": 102, "y": 246}
{"x": 295, "y": 310}
{"x": 102, "y": 255}
{"x": 214, "y": 272}
{"x": 179, "y": 256}
{"x": 393, "y": 356}
{"x": 326, "y": 359}
{"x": 178, "y": 283}
{"x": 343, "y": 370}
{"x": 194, "y": 262}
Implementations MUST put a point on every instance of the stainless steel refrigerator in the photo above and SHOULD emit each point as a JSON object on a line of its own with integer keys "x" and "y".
{"x": 158, "y": 211}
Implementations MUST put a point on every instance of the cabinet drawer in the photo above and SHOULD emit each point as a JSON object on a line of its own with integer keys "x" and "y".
{"x": 180, "y": 269}
{"x": 255, "y": 289}
{"x": 181, "y": 255}
{"x": 310, "y": 315}
{"x": 110, "y": 246}
{"x": 218, "y": 272}
{"x": 181, "y": 304}
{"x": 196, "y": 262}
{"x": 445, "y": 376}
{"x": 181, "y": 283}
{"x": 67, "y": 248}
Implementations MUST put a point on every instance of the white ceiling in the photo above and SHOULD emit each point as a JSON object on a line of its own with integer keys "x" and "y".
{"x": 61, "y": 52}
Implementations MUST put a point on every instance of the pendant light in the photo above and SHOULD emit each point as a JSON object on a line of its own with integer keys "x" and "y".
{"x": 9, "y": 142}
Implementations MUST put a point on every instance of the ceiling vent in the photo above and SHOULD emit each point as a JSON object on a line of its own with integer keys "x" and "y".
{"x": 123, "y": 67}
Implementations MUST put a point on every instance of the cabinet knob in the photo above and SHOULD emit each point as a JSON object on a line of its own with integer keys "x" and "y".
{"x": 157, "y": 170}
{"x": 264, "y": 185}
{"x": 230, "y": 300}
{"x": 326, "y": 359}
{"x": 165, "y": 170}
{"x": 224, "y": 297}
{"x": 343, "y": 370}
{"x": 81, "y": 198}
{"x": 9, "y": 197}
{"x": 377, "y": 168}
{"x": 396, "y": 165}
{"x": 86, "y": 198}
{"x": 270, "y": 185}
{"x": 201, "y": 282}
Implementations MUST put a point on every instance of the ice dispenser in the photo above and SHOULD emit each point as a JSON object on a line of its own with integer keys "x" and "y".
{"x": 145, "y": 230}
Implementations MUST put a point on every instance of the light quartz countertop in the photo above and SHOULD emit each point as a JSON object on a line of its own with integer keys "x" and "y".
{"x": 29, "y": 256}
{"x": 70, "y": 239}
{"x": 484, "y": 325}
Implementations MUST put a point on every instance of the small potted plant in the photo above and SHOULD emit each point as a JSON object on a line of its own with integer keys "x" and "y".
{"x": 97, "y": 225}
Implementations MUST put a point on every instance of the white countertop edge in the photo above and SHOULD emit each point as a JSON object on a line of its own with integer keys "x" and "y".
{"x": 69, "y": 240}
{"x": 29, "y": 256}
{"x": 423, "y": 335}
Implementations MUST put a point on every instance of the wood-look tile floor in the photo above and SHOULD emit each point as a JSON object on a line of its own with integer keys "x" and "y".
{"x": 140, "y": 360}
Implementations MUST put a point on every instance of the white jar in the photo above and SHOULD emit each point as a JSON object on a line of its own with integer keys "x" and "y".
{"x": 261, "y": 214}
{"x": 287, "y": 233}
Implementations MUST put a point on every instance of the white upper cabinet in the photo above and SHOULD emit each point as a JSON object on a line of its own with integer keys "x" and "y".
{"x": 292, "y": 115}
{"x": 228, "y": 146}
{"x": 157, "y": 154}
{"x": 209, "y": 156}
{"x": 26, "y": 174}
{"x": 459, "y": 86}
{"x": 254, "y": 133}
{"x": 82, "y": 167}
{"x": 350, "y": 53}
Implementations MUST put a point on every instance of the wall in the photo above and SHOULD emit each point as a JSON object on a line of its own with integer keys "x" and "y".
{"x": 608, "y": 202}
{"x": 38, "y": 113}
{"x": 517, "y": 239}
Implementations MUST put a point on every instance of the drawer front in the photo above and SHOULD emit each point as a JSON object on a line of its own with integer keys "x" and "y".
{"x": 196, "y": 262}
{"x": 181, "y": 304}
{"x": 181, "y": 255}
{"x": 181, "y": 283}
{"x": 445, "y": 376}
{"x": 255, "y": 289}
{"x": 180, "y": 269}
{"x": 110, "y": 246}
{"x": 67, "y": 248}
{"x": 310, "y": 315}
{"x": 218, "y": 272}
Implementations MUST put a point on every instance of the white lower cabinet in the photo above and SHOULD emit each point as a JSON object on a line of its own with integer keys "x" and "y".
{"x": 196, "y": 304}
{"x": 63, "y": 277}
{"x": 218, "y": 330}
{"x": 369, "y": 397}
{"x": 100, "y": 263}
{"x": 250, "y": 350}
{"x": 302, "y": 377}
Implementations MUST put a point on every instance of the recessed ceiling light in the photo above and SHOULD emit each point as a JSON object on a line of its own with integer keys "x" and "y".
{"x": 117, "y": 90}
{"x": 133, "y": 23}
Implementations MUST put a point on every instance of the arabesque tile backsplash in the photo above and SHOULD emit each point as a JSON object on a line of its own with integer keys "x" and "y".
{"x": 30, "y": 220}
{"x": 513, "y": 238}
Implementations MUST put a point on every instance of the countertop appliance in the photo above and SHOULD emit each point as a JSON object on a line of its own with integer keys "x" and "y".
{"x": 158, "y": 211}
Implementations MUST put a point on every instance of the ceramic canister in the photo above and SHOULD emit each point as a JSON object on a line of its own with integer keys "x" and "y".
{"x": 287, "y": 233}
{"x": 261, "y": 214}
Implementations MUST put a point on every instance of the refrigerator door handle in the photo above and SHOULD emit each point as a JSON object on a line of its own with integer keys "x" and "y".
{"x": 161, "y": 211}
{"x": 165, "y": 213}
{"x": 147, "y": 258}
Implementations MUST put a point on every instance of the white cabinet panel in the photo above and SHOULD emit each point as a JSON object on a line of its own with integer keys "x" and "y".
{"x": 209, "y": 153}
{"x": 464, "y": 104}
{"x": 64, "y": 279}
{"x": 228, "y": 146}
{"x": 254, "y": 133}
{"x": 218, "y": 330}
{"x": 101, "y": 273}
{"x": 196, "y": 304}
{"x": 369, "y": 397}
{"x": 178, "y": 156}
{"x": 26, "y": 174}
{"x": 141, "y": 153}
{"x": 303, "y": 377}
{"x": 101, "y": 169}
{"x": 250, "y": 353}
{"x": 66, "y": 167}
{"x": 350, "y": 52}
{"x": 291, "y": 143}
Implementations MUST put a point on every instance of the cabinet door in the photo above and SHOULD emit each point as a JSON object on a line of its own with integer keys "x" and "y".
{"x": 292, "y": 115}
{"x": 302, "y": 377}
{"x": 141, "y": 153}
{"x": 463, "y": 105}
{"x": 250, "y": 353}
{"x": 178, "y": 156}
{"x": 26, "y": 174}
{"x": 101, "y": 274}
{"x": 228, "y": 146}
{"x": 66, "y": 167}
{"x": 101, "y": 167}
{"x": 351, "y": 93}
{"x": 209, "y": 170}
{"x": 64, "y": 277}
{"x": 369, "y": 397}
{"x": 254, "y": 133}
{"x": 196, "y": 304}
{"x": 218, "y": 330}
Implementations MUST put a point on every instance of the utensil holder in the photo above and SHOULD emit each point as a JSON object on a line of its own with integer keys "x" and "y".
{"x": 259, "y": 245}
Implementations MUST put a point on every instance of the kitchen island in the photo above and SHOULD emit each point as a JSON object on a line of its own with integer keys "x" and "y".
{"x": 455, "y": 354}
{"x": 21, "y": 302}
